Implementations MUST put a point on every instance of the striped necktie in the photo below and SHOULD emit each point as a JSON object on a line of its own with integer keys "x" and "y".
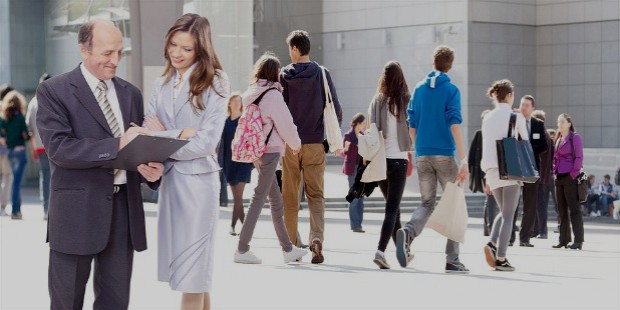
{"x": 105, "y": 106}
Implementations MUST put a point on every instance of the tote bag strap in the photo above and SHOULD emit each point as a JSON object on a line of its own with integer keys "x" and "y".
{"x": 326, "y": 90}
{"x": 512, "y": 125}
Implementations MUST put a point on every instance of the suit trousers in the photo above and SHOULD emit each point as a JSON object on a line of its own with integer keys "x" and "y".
{"x": 310, "y": 163}
{"x": 69, "y": 273}
{"x": 568, "y": 208}
{"x": 530, "y": 202}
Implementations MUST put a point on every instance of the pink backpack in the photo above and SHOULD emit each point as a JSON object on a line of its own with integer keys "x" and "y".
{"x": 249, "y": 143}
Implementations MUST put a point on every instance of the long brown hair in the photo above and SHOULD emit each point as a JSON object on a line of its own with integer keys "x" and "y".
{"x": 206, "y": 59}
{"x": 393, "y": 87}
{"x": 558, "y": 134}
{"x": 267, "y": 67}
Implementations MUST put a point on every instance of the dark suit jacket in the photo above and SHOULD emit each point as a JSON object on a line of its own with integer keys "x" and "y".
{"x": 79, "y": 141}
{"x": 540, "y": 144}
{"x": 476, "y": 175}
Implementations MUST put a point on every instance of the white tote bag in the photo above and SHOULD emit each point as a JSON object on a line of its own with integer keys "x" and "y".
{"x": 330, "y": 118}
{"x": 450, "y": 215}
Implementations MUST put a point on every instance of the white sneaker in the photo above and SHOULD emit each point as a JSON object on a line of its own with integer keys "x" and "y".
{"x": 3, "y": 213}
{"x": 247, "y": 258}
{"x": 294, "y": 255}
{"x": 598, "y": 213}
{"x": 592, "y": 214}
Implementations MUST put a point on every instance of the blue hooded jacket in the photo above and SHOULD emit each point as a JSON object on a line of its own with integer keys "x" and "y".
{"x": 433, "y": 108}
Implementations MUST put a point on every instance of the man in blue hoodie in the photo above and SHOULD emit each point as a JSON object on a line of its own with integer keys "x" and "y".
{"x": 434, "y": 120}
{"x": 304, "y": 95}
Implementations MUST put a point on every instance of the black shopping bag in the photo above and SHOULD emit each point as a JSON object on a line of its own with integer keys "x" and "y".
{"x": 516, "y": 157}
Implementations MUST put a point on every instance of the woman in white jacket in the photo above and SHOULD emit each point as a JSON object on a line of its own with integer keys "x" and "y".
{"x": 189, "y": 102}
{"x": 495, "y": 126}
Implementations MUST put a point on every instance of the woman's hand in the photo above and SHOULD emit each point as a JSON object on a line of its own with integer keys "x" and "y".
{"x": 153, "y": 123}
{"x": 188, "y": 133}
{"x": 488, "y": 191}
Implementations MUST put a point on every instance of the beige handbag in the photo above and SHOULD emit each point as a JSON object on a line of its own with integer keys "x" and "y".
{"x": 330, "y": 118}
{"x": 450, "y": 216}
{"x": 371, "y": 147}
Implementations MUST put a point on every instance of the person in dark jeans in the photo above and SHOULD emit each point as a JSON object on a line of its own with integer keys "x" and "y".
{"x": 388, "y": 111}
{"x": 567, "y": 163}
{"x": 538, "y": 139}
{"x": 15, "y": 132}
{"x": 349, "y": 167}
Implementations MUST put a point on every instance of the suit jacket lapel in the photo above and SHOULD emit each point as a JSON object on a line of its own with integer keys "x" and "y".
{"x": 124, "y": 100}
{"x": 86, "y": 97}
{"x": 182, "y": 100}
{"x": 166, "y": 99}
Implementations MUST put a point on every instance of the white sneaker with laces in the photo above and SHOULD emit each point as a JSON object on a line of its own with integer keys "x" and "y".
{"x": 294, "y": 255}
{"x": 592, "y": 214}
{"x": 598, "y": 213}
{"x": 247, "y": 258}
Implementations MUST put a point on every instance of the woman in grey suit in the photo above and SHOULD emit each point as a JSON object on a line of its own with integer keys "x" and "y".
{"x": 189, "y": 102}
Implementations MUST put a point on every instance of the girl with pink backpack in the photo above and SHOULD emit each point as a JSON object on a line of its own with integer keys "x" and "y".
{"x": 264, "y": 129}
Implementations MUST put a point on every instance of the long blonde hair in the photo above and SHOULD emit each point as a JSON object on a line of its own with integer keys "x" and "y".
{"x": 234, "y": 95}
{"x": 206, "y": 60}
{"x": 12, "y": 104}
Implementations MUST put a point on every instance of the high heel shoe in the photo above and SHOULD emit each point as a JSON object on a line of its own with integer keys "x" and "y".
{"x": 576, "y": 245}
{"x": 561, "y": 245}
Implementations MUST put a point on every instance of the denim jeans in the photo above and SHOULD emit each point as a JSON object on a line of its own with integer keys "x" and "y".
{"x": 392, "y": 189}
{"x": 44, "y": 181}
{"x": 604, "y": 202}
{"x": 356, "y": 207}
{"x": 17, "y": 159}
{"x": 433, "y": 169}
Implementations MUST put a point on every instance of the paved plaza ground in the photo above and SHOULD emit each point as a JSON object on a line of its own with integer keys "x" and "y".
{"x": 546, "y": 278}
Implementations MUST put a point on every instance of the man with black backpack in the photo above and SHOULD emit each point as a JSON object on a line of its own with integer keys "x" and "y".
{"x": 305, "y": 97}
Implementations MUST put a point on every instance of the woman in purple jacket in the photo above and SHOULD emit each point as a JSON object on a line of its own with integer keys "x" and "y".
{"x": 567, "y": 163}
{"x": 349, "y": 167}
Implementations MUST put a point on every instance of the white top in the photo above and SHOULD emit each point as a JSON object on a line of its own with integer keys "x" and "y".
{"x": 93, "y": 82}
{"x": 175, "y": 80}
{"x": 392, "y": 149}
{"x": 495, "y": 127}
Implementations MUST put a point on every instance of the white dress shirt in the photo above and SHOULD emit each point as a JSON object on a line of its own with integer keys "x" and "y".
{"x": 93, "y": 82}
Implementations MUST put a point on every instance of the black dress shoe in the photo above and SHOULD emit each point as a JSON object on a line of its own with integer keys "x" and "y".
{"x": 576, "y": 245}
{"x": 526, "y": 244}
{"x": 560, "y": 245}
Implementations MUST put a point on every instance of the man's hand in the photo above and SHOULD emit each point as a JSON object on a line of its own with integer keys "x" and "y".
{"x": 151, "y": 171}
{"x": 463, "y": 173}
{"x": 337, "y": 152}
{"x": 131, "y": 133}
{"x": 295, "y": 152}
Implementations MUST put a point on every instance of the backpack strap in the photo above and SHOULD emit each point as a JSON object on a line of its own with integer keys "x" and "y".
{"x": 256, "y": 102}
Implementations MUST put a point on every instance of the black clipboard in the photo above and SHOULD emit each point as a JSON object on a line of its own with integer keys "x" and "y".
{"x": 145, "y": 149}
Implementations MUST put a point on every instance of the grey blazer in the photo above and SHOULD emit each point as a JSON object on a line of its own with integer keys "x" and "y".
{"x": 79, "y": 142}
{"x": 199, "y": 155}
{"x": 377, "y": 113}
